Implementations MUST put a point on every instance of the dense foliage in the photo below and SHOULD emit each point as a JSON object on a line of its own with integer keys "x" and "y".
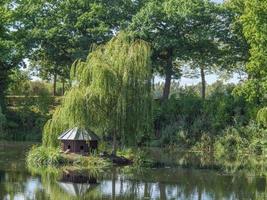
{"x": 185, "y": 118}
{"x": 59, "y": 32}
{"x": 250, "y": 15}
{"x": 111, "y": 93}
{"x": 193, "y": 33}
{"x": 48, "y": 157}
{"x": 11, "y": 48}
{"x": 111, "y": 90}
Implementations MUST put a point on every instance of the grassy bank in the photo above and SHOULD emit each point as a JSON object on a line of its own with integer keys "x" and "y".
{"x": 52, "y": 157}
{"x": 41, "y": 158}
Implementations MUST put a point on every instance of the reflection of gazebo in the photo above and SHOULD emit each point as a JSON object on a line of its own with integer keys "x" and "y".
{"x": 77, "y": 184}
{"x": 75, "y": 189}
{"x": 78, "y": 140}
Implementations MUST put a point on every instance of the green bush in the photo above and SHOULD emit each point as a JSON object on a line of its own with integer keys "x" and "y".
{"x": 24, "y": 123}
{"x": 205, "y": 143}
{"x": 229, "y": 143}
{"x": 90, "y": 162}
{"x": 44, "y": 102}
{"x": 169, "y": 134}
{"x": 262, "y": 116}
{"x": 44, "y": 156}
{"x": 250, "y": 139}
{"x": 19, "y": 82}
{"x": 26, "y": 116}
{"x": 39, "y": 87}
{"x": 139, "y": 157}
{"x": 185, "y": 119}
{"x": 40, "y": 156}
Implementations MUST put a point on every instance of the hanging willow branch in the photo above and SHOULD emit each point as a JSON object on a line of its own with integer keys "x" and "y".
{"x": 112, "y": 92}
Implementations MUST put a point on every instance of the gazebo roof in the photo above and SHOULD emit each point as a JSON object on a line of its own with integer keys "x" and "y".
{"x": 78, "y": 134}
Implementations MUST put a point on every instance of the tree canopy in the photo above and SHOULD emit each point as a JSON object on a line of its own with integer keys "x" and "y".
{"x": 192, "y": 33}
{"x": 59, "y": 32}
{"x": 11, "y": 49}
{"x": 251, "y": 17}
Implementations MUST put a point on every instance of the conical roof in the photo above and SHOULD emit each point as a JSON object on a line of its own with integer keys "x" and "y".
{"x": 78, "y": 134}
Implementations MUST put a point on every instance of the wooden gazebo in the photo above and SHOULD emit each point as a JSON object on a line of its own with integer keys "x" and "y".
{"x": 78, "y": 140}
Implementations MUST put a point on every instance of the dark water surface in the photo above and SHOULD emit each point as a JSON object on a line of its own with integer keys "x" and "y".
{"x": 17, "y": 183}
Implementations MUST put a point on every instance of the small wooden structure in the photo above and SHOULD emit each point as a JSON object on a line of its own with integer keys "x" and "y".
{"x": 78, "y": 140}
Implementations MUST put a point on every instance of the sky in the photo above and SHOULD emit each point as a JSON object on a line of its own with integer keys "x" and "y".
{"x": 209, "y": 80}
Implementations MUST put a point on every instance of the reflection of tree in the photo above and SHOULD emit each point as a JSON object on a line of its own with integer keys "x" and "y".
{"x": 162, "y": 190}
{"x": 113, "y": 184}
{"x": 128, "y": 183}
{"x": 141, "y": 184}
{"x": 147, "y": 190}
{"x": 185, "y": 183}
{"x": 13, "y": 183}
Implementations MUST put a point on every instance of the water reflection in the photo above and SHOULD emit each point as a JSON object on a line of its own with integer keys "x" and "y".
{"x": 153, "y": 184}
{"x": 19, "y": 186}
{"x": 128, "y": 183}
{"x": 77, "y": 184}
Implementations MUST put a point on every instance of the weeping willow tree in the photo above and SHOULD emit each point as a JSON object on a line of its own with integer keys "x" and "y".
{"x": 111, "y": 93}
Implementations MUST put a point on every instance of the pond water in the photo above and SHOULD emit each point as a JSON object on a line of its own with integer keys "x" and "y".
{"x": 17, "y": 183}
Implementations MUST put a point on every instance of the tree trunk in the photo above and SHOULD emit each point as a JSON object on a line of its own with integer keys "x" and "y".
{"x": 153, "y": 83}
{"x": 2, "y": 102}
{"x": 55, "y": 85}
{"x": 203, "y": 83}
{"x": 146, "y": 192}
{"x": 258, "y": 99}
{"x": 162, "y": 190}
{"x": 63, "y": 87}
{"x": 168, "y": 77}
{"x": 113, "y": 184}
{"x": 199, "y": 194}
{"x": 114, "y": 144}
{"x": 3, "y": 87}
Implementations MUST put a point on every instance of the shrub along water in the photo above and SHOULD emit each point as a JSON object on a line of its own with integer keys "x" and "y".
{"x": 39, "y": 157}
{"x": 45, "y": 156}
{"x": 250, "y": 139}
{"x": 185, "y": 120}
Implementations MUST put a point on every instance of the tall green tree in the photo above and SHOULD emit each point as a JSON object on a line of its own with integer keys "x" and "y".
{"x": 112, "y": 93}
{"x": 195, "y": 33}
{"x": 213, "y": 44}
{"x": 59, "y": 32}
{"x": 204, "y": 50}
{"x": 251, "y": 18}
{"x": 10, "y": 49}
{"x": 166, "y": 35}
